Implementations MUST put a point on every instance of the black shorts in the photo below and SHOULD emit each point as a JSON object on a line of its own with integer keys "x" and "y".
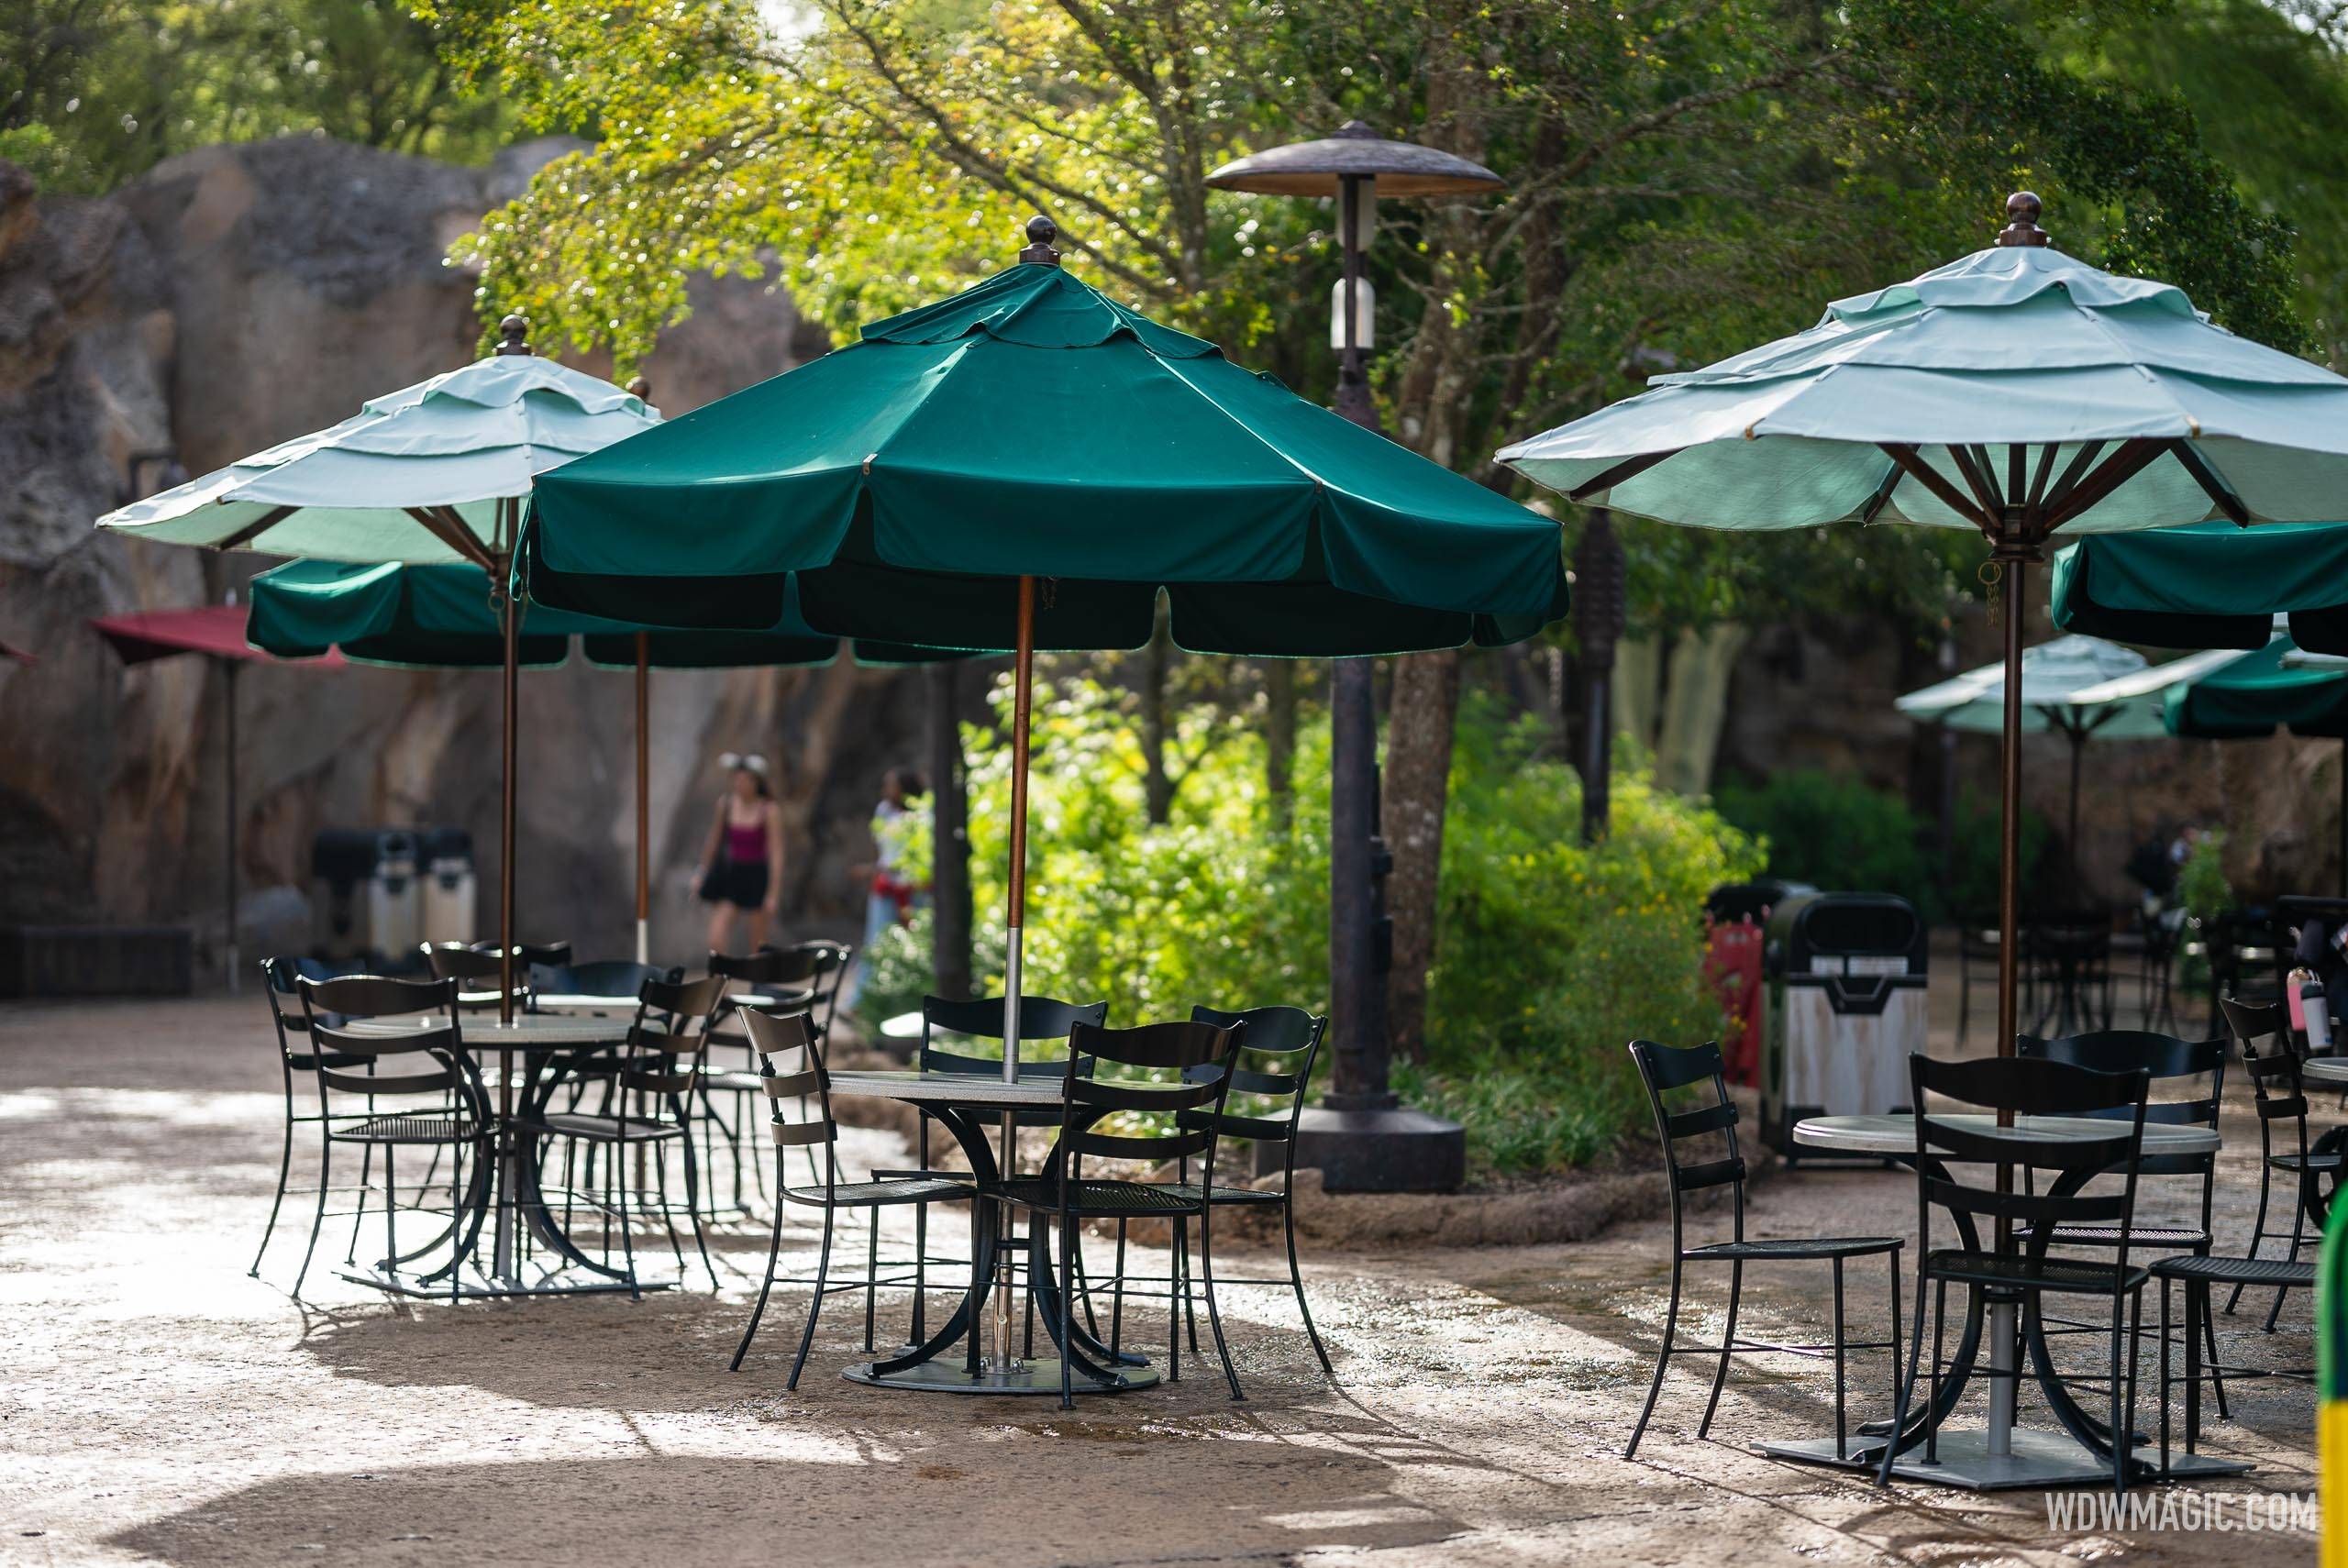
{"x": 742, "y": 883}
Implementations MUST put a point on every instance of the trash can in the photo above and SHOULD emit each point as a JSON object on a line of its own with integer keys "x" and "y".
{"x": 1733, "y": 915}
{"x": 342, "y": 868}
{"x": 394, "y": 901}
{"x": 1845, "y": 978}
{"x": 451, "y": 887}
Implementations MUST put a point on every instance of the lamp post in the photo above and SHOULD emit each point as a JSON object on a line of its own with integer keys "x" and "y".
{"x": 1360, "y": 1136}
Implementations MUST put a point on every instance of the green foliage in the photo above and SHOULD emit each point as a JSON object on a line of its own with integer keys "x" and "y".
{"x": 2201, "y": 887}
{"x": 1837, "y": 833}
{"x": 1973, "y": 892}
{"x": 94, "y": 92}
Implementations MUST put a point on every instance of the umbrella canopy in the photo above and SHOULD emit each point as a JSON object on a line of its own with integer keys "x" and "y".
{"x": 2019, "y": 391}
{"x": 441, "y": 617}
{"x": 1031, "y": 426}
{"x": 2251, "y": 696}
{"x": 2064, "y": 687}
{"x": 2212, "y": 586}
{"x": 417, "y": 475}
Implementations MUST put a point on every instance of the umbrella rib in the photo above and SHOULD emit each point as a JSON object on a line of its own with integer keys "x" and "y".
{"x": 1969, "y": 463}
{"x": 2038, "y": 480}
{"x": 253, "y": 530}
{"x": 2081, "y": 462}
{"x": 1923, "y": 473}
{"x": 1628, "y": 469}
{"x": 2211, "y": 484}
{"x": 451, "y": 531}
{"x": 2132, "y": 459}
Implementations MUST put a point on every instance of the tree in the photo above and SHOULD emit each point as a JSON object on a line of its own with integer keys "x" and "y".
{"x": 1684, "y": 180}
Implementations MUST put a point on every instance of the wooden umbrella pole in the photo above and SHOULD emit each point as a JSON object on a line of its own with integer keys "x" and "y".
{"x": 512, "y": 617}
{"x": 1015, "y": 918}
{"x": 235, "y": 964}
{"x": 2010, "y": 811}
{"x": 643, "y": 800}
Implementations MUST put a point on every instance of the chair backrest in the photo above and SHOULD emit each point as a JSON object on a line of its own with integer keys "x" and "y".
{"x": 791, "y": 1071}
{"x": 528, "y": 953}
{"x": 280, "y": 978}
{"x": 481, "y": 972}
{"x": 2170, "y": 1062}
{"x": 2270, "y": 1058}
{"x": 1164, "y": 1083}
{"x": 1986, "y": 1088}
{"x": 599, "y": 978}
{"x": 1274, "y": 1070}
{"x": 1040, "y": 1019}
{"x": 828, "y": 964}
{"x": 665, "y": 1043}
{"x": 346, "y": 1056}
{"x": 1707, "y": 1111}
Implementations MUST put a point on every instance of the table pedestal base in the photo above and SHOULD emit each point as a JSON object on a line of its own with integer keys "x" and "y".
{"x": 2038, "y": 1459}
{"x": 951, "y": 1374}
{"x": 475, "y": 1285}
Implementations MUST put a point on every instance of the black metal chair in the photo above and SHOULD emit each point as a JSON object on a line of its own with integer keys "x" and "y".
{"x": 551, "y": 954}
{"x": 1274, "y": 1071}
{"x": 791, "y": 1069}
{"x": 481, "y": 973}
{"x": 1167, "y": 1083}
{"x": 2025, "y": 1086}
{"x": 612, "y": 977}
{"x": 2279, "y": 1096}
{"x": 277, "y": 979}
{"x": 1045, "y": 1021}
{"x": 647, "y": 1083}
{"x": 776, "y": 980}
{"x": 2199, "y": 1275}
{"x": 1664, "y": 1070}
{"x": 455, "y": 1120}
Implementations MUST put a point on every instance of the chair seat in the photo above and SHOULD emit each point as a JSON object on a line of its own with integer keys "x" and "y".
{"x": 879, "y": 1194}
{"x": 604, "y": 1129}
{"x": 2332, "y": 1162}
{"x": 2073, "y": 1277}
{"x": 1794, "y": 1249}
{"x": 425, "y": 1128}
{"x": 1219, "y": 1193}
{"x": 1099, "y": 1200}
{"x": 2109, "y": 1235}
{"x": 2237, "y": 1271}
{"x": 720, "y": 1080}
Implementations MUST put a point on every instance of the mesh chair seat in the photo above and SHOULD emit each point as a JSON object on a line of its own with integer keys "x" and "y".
{"x": 879, "y": 1193}
{"x": 604, "y": 1129}
{"x": 2070, "y": 1276}
{"x": 2237, "y": 1271}
{"x": 423, "y": 1128}
{"x": 2324, "y": 1162}
{"x": 1191, "y": 1192}
{"x": 2078, "y": 1234}
{"x": 721, "y": 1080}
{"x": 1795, "y": 1249}
{"x": 1098, "y": 1199}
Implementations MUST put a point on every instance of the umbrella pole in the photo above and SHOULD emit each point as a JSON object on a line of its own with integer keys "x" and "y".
{"x": 643, "y": 803}
{"x": 2343, "y": 817}
{"x": 228, "y": 870}
{"x": 2009, "y": 809}
{"x": 1014, "y": 919}
{"x": 512, "y": 630}
{"x": 2078, "y": 748}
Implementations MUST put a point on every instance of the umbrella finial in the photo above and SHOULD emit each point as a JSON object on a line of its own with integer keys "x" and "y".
{"x": 2021, "y": 227}
{"x": 515, "y": 330}
{"x": 1041, "y": 232}
{"x": 1359, "y": 130}
{"x": 641, "y": 388}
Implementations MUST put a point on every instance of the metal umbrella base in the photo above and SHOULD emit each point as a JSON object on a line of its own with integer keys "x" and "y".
{"x": 479, "y": 1284}
{"x": 1041, "y": 1376}
{"x": 2034, "y": 1458}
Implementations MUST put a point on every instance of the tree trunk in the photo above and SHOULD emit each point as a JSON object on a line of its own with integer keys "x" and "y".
{"x": 950, "y": 927}
{"x": 1280, "y": 741}
{"x": 1157, "y": 664}
{"x": 1418, "y": 774}
{"x": 1695, "y": 706}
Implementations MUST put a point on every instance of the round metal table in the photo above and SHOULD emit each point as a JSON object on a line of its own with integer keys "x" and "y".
{"x": 963, "y": 1103}
{"x": 2001, "y": 1453}
{"x": 507, "y": 1196}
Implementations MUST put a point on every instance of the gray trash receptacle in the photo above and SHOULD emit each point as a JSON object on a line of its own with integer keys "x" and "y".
{"x": 1847, "y": 1007}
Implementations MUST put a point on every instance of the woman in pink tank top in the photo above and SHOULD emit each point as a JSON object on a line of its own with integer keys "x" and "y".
{"x": 741, "y": 865}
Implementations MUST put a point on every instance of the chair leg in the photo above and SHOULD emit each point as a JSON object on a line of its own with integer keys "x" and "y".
{"x": 692, "y": 1212}
{"x": 2122, "y": 1405}
{"x": 1189, "y": 1310}
{"x": 1173, "y": 1312}
{"x": 1841, "y": 1434}
{"x": 366, "y": 1169}
{"x": 871, "y": 1271}
{"x": 2258, "y": 1228}
{"x": 2298, "y": 1218}
{"x": 619, "y": 1163}
{"x": 456, "y": 1218}
{"x": 766, "y": 1287}
{"x": 317, "y": 1220}
{"x": 1907, "y": 1393}
{"x": 659, "y": 1155}
{"x": 920, "y": 1334}
{"x": 1728, "y": 1348}
{"x": 1894, "y": 1353}
{"x": 1932, "y": 1409}
{"x": 391, "y": 1209}
{"x": 1068, "y": 1306}
{"x": 815, "y": 1304}
{"x": 2210, "y": 1345}
{"x": 1296, "y": 1282}
{"x": 1084, "y": 1287}
{"x": 1117, "y": 1297}
{"x": 285, "y": 1169}
{"x": 1214, "y": 1313}
{"x": 1662, "y": 1360}
{"x": 2165, "y": 1379}
{"x": 2196, "y": 1304}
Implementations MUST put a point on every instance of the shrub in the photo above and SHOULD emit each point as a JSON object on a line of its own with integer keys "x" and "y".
{"x": 1836, "y": 833}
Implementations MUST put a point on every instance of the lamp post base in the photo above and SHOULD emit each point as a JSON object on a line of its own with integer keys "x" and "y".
{"x": 1385, "y": 1149}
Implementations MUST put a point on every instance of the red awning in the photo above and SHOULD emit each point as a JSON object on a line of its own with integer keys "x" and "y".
{"x": 19, "y": 655}
{"x": 215, "y": 629}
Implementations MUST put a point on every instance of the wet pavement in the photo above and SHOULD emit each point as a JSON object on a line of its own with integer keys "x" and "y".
{"x": 157, "y": 1405}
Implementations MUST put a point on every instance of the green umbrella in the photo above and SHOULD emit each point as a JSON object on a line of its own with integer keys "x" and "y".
{"x": 2255, "y": 694}
{"x": 435, "y": 472}
{"x": 2212, "y": 586}
{"x": 442, "y": 617}
{"x": 2017, "y": 391}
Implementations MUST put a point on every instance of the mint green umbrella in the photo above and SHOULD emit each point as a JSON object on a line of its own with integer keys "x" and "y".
{"x": 2211, "y": 586}
{"x": 442, "y": 617}
{"x": 2018, "y": 392}
{"x": 2255, "y": 694}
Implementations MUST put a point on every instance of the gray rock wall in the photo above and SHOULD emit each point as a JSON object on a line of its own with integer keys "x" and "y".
{"x": 227, "y": 300}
